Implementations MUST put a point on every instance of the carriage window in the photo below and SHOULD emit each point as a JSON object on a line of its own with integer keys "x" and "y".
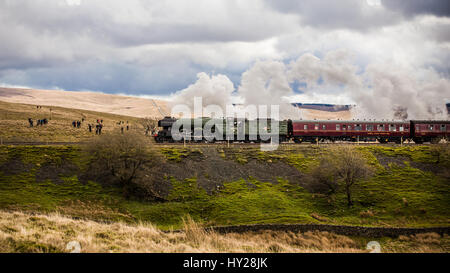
{"x": 316, "y": 127}
{"x": 338, "y": 127}
{"x": 380, "y": 127}
{"x": 344, "y": 127}
{"x": 417, "y": 128}
{"x": 349, "y": 127}
{"x": 324, "y": 127}
{"x": 305, "y": 127}
{"x": 392, "y": 127}
{"x": 358, "y": 127}
{"x": 369, "y": 127}
{"x": 443, "y": 128}
{"x": 401, "y": 129}
{"x": 431, "y": 127}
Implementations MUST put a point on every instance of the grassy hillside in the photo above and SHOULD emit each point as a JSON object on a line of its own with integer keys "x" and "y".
{"x": 51, "y": 233}
{"x": 221, "y": 186}
{"x": 14, "y": 126}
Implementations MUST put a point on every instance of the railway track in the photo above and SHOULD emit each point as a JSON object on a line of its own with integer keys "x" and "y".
{"x": 217, "y": 144}
{"x": 240, "y": 144}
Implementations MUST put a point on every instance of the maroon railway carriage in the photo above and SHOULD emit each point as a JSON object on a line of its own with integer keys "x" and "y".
{"x": 355, "y": 130}
{"x": 429, "y": 130}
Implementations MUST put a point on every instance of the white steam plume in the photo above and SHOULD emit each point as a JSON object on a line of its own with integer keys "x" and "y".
{"x": 266, "y": 83}
{"x": 382, "y": 91}
{"x": 391, "y": 88}
{"x": 214, "y": 90}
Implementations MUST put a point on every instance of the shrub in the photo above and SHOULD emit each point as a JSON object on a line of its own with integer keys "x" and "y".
{"x": 323, "y": 180}
{"x": 125, "y": 160}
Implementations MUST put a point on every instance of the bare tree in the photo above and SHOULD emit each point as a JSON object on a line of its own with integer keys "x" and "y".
{"x": 343, "y": 164}
{"x": 124, "y": 160}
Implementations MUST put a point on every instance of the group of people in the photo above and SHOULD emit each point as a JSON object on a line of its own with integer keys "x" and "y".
{"x": 98, "y": 126}
{"x": 76, "y": 124}
{"x": 121, "y": 128}
{"x": 148, "y": 130}
{"x": 39, "y": 122}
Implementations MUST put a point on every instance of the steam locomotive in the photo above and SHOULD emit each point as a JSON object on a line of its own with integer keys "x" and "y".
{"x": 313, "y": 131}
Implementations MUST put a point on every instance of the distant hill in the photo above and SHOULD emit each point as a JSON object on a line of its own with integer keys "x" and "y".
{"x": 324, "y": 111}
{"x": 99, "y": 102}
{"x": 323, "y": 107}
{"x": 138, "y": 107}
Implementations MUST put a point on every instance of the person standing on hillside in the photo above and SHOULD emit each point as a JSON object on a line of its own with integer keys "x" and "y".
{"x": 30, "y": 120}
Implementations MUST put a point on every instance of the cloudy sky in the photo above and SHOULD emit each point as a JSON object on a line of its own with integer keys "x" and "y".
{"x": 347, "y": 51}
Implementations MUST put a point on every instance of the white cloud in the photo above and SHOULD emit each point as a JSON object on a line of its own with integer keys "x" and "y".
{"x": 260, "y": 47}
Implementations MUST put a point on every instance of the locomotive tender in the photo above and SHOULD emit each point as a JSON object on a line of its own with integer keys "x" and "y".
{"x": 232, "y": 129}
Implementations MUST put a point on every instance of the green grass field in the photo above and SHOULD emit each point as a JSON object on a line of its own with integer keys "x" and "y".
{"x": 409, "y": 189}
{"x": 215, "y": 185}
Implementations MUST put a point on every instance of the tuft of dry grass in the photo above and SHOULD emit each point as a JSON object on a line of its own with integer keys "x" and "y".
{"x": 366, "y": 214}
{"x": 20, "y": 232}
